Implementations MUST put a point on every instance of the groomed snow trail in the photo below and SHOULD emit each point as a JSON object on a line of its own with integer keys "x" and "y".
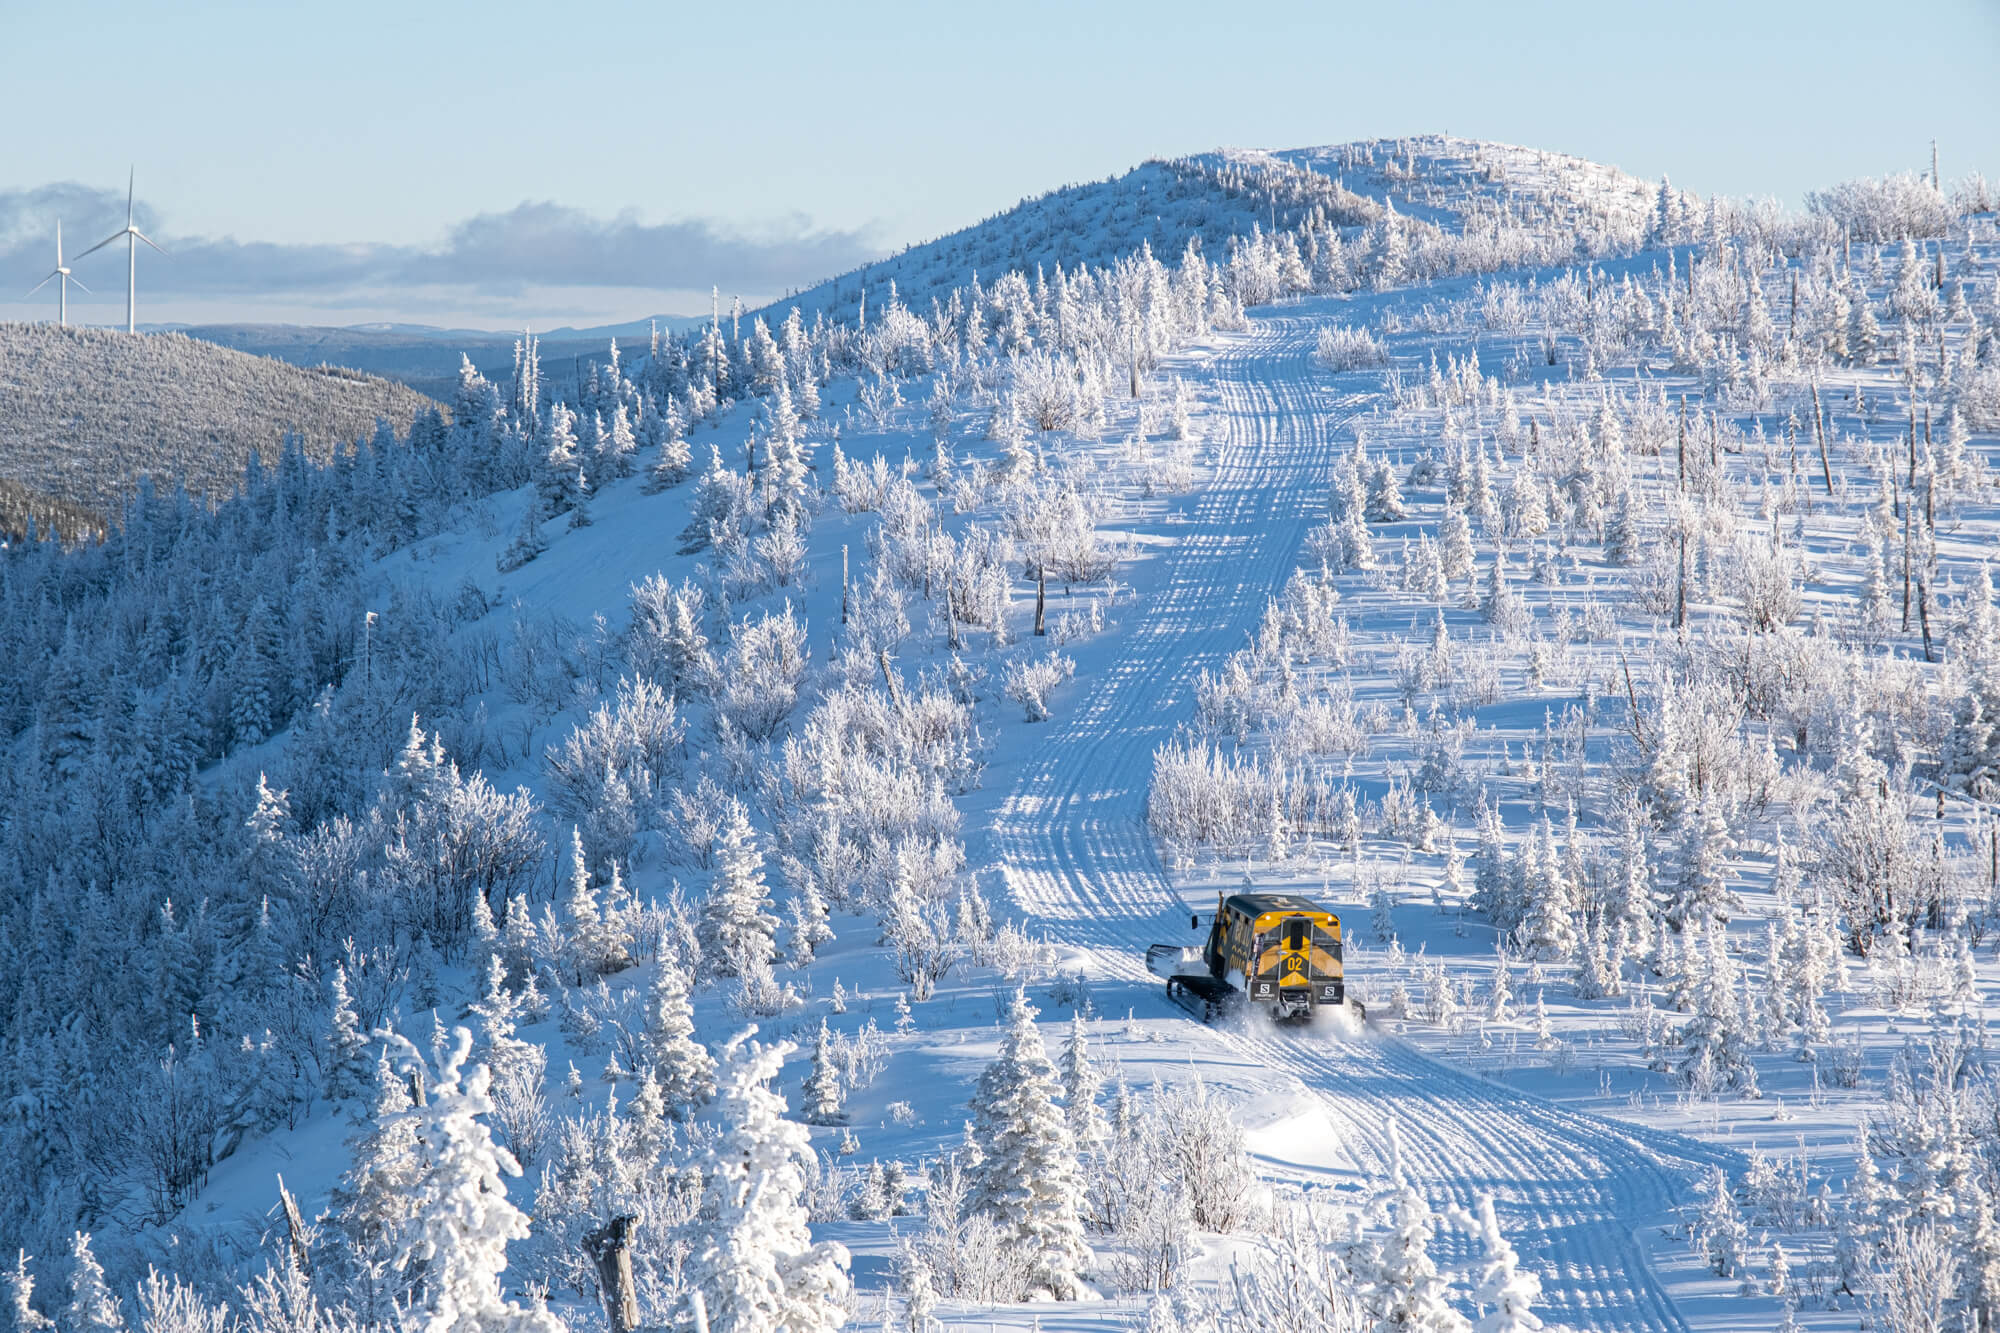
{"x": 1575, "y": 1192}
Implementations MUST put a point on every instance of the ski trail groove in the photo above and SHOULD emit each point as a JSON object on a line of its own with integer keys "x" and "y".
{"x": 1574, "y": 1191}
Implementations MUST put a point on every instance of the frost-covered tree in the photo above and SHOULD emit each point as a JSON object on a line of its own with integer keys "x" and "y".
{"x": 823, "y": 1095}
{"x": 1455, "y": 550}
{"x": 1399, "y": 1281}
{"x": 1548, "y": 927}
{"x": 461, "y": 1219}
{"x": 1082, "y": 1080}
{"x": 1500, "y": 992}
{"x": 374, "y": 1198}
{"x": 345, "y": 1068}
{"x": 1720, "y": 1230}
{"x": 528, "y": 542}
{"x": 1713, "y": 1038}
{"x": 92, "y": 1307}
{"x": 753, "y": 1259}
{"x": 666, "y": 431}
{"x": 806, "y": 919}
{"x": 1701, "y": 888}
{"x": 1621, "y": 531}
{"x": 615, "y": 446}
{"x": 681, "y": 1066}
{"x": 737, "y": 928}
{"x": 1385, "y": 502}
{"x": 21, "y": 1295}
{"x": 1506, "y": 1293}
{"x": 560, "y": 470}
{"x": 1029, "y": 1183}
{"x": 595, "y": 942}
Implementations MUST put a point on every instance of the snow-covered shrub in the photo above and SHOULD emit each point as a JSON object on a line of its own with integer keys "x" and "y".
{"x": 664, "y": 641}
{"x": 1766, "y": 583}
{"x": 1885, "y": 208}
{"x": 1029, "y": 681}
{"x": 607, "y": 773}
{"x": 1340, "y": 347}
{"x": 762, "y": 672}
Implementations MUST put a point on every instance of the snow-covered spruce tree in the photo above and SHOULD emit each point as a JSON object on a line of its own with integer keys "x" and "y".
{"x": 1621, "y": 532}
{"x": 595, "y": 942}
{"x": 667, "y": 431}
{"x": 785, "y": 480}
{"x": 1701, "y": 890}
{"x": 373, "y": 1200}
{"x": 1385, "y": 502}
{"x": 345, "y": 1068}
{"x": 1500, "y": 992}
{"x": 806, "y": 918}
{"x": 1029, "y": 1183}
{"x": 460, "y": 1218}
{"x": 1548, "y": 927}
{"x": 1400, "y": 1285}
{"x": 1455, "y": 549}
{"x": 616, "y": 445}
{"x": 752, "y": 1256}
{"x": 1081, "y": 1082}
{"x": 559, "y": 471}
{"x": 680, "y": 1065}
{"x": 737, "y": 928}
{"x": 1719, "y": 1228}
{"x": 21, "y": 1296}
{"x": 822, "y": 1095}
{"x": 516, "y": 1069}
{"x": 92, "y": 1307}
{"x": 1713, "y": 1035}
{"x": 1506, "y": 1293}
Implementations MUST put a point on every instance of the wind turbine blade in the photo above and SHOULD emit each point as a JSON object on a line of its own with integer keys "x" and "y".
{"x": 131, "y": 175}
{"x": 148, "y": 240}
{"x": 43, "y": 283}
{"x": 73, "y": 279}
{"x": 114, "y": 236}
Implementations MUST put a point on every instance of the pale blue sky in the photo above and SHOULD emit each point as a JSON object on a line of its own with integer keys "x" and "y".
{"x": 794, "y": 136}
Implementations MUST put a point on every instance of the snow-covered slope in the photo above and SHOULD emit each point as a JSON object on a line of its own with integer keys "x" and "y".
{"x": 1216, "y": 196}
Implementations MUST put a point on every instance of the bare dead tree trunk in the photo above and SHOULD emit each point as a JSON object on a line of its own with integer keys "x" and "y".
{"x": 1041, "y": 596}
{"x": 1924, "y": 616}
{"x": 610, "y": 1248}
{"x": 843, "y": 583}
{"x": 1906, "y": 569}
{"x": 1819, "y": 434}
{"x": 1681, "y": 587}
{"x": 295, "y": 1231}
{"x": 1911, "y": 482}
{"x": 1681, "y": 449}
{"x": 889, "y": 681}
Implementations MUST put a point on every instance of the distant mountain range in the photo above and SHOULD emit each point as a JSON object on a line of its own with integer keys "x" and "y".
{"x": 421, "y": 356}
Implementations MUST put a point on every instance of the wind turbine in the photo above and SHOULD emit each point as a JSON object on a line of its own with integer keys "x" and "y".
{"x": 132, "y": 236}
{"x": 59, "y": 275}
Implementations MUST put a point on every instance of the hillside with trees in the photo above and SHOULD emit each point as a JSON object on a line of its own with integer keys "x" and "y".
{"x": 86, "y": 413}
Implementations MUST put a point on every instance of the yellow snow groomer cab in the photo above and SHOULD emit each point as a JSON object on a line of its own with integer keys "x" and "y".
{"x": 1281, "y": 951}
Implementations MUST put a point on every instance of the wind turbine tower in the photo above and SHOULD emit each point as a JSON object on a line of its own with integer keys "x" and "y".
{"x": 132, "y": 236}
{"x": 61, "y": 277}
